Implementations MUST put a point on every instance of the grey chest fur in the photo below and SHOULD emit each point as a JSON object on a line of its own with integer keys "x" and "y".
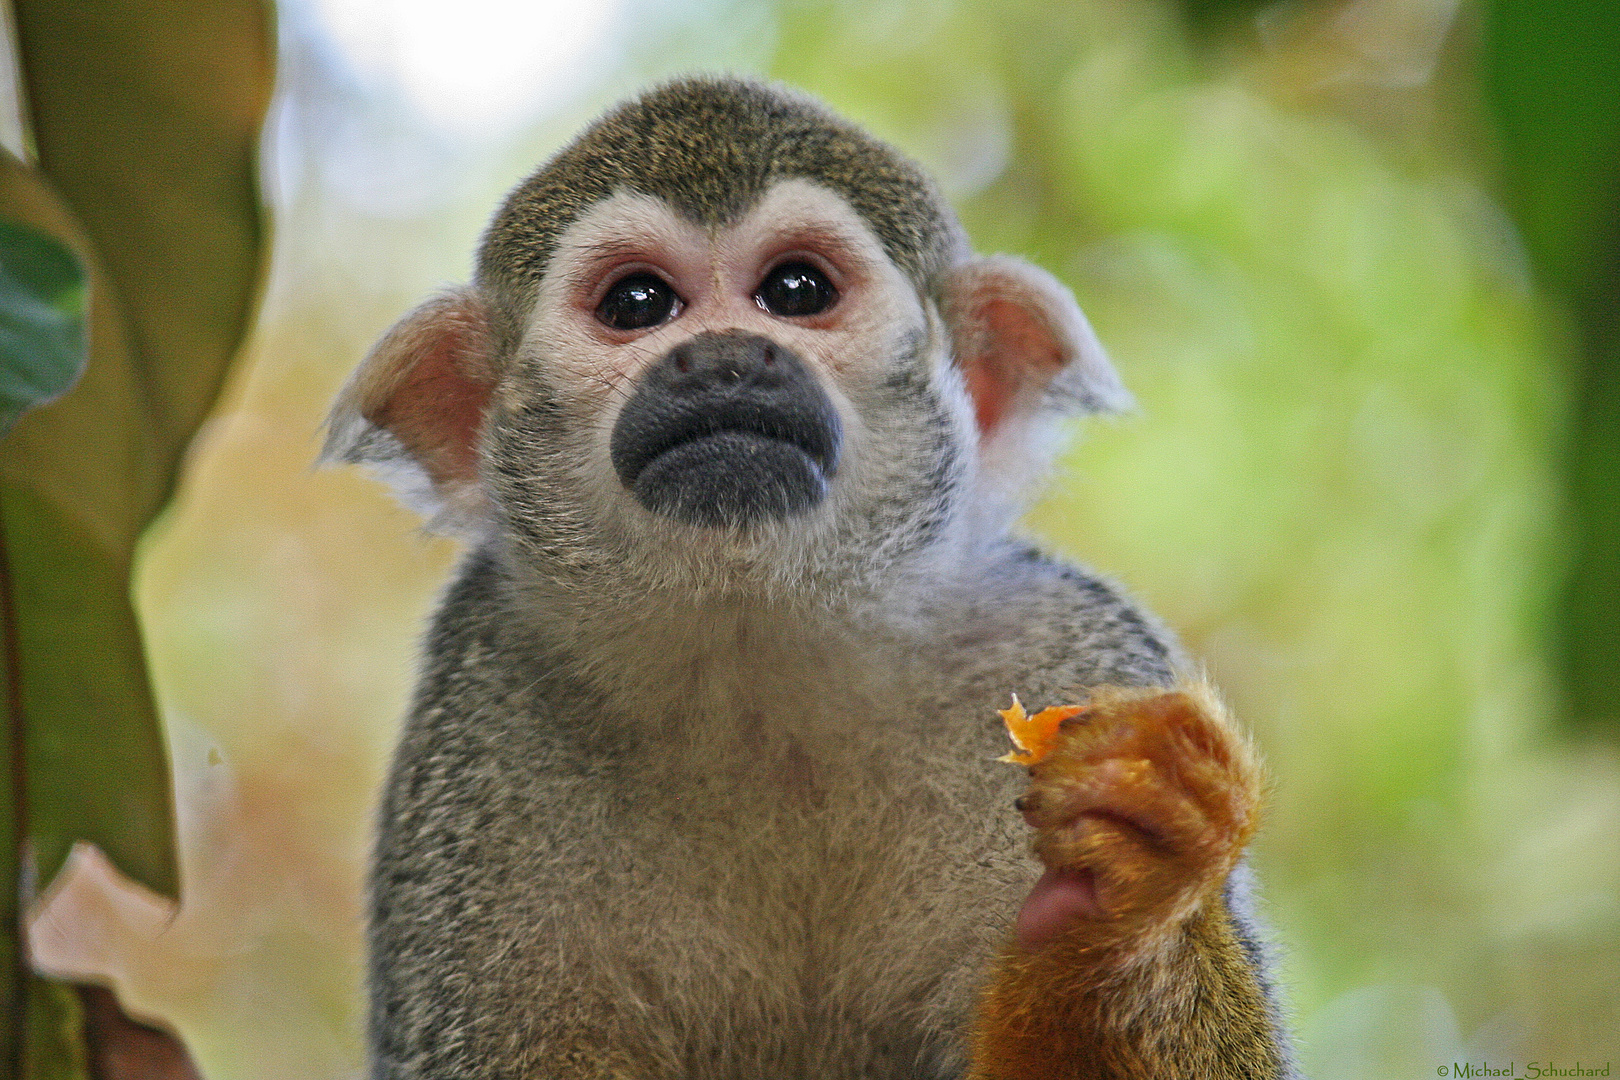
{"x": 795, "y": 857}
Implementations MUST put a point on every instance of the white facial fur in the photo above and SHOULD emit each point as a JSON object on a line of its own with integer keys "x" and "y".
{"x": 877, "y": 323}
{"x": 716, "y": 274}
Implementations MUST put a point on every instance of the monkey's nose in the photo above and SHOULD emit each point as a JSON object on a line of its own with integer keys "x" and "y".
{"x": 726, "y": 358}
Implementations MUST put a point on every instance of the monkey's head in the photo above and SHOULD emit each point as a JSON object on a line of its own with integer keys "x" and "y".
{"x": 725, "y": 339}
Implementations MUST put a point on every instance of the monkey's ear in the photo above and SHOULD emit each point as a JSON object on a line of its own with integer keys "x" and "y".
{"x": 415, "y": 407}
{"x": 1023, "y": 344}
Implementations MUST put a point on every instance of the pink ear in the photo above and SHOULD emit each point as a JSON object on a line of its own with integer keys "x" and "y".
{"x": 418, "y": 401}
{"x": 1022, "y": 343}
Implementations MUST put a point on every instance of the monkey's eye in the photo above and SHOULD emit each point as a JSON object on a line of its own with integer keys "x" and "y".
{"x": 637, "y": 302}
{"x": 795, "y": 288}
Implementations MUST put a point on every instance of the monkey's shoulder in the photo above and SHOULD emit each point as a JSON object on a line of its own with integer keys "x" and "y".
{"x": 1044, "y": 626}
{"x": 484, "y": 689}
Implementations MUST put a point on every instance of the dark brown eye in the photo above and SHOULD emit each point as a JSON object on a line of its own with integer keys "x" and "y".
{"x": 637, "y": 302}
{"x": 796, "y": 288}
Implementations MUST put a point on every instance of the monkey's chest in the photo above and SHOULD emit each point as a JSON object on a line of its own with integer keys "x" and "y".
{"x": 848, "y": 889}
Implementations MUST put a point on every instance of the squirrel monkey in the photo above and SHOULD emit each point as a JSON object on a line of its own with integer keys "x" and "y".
{"x": 699, "y": 778}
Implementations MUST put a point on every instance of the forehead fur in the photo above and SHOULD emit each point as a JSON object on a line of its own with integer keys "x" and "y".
{"x": 711, "y": 148}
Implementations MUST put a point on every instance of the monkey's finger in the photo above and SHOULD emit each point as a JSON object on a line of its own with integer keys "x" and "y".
{"x": 1129, "y": 796}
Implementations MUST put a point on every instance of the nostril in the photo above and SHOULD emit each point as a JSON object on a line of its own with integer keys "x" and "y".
{"x": 770, "y": 355}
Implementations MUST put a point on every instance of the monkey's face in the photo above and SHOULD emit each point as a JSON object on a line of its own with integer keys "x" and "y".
{"x": 762, "y": 392}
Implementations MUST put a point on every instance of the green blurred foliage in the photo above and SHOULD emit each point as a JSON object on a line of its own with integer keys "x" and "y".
{"x": 1552, "y": 73}
{"x": 145, "y": 124}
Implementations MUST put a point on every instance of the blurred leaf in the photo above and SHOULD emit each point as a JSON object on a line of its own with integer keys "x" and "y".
{"x": 42, "y": 339}
{"x": 55, "y": 1018}
{"x": 1553, "y": 74}
{"x": 27, "y": 197}
{"x": 1552, "y": 71}
{"x": 1211, "y": 17}
{"x": 146, "y": 121}
{"x": 146, "y": 118}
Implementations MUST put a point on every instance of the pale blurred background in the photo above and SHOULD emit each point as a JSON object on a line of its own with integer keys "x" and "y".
{"x": 1341, "y": 486}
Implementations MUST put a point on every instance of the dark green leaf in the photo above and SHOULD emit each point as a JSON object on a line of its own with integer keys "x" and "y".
{"x": 42, "y": 333}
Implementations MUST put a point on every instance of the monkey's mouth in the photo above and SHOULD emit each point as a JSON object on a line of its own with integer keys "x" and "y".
{"x": 727, "y": 466}
{"x": 725, "y": 430}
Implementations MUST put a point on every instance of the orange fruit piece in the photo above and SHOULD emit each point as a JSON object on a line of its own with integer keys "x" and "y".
{"x": 1034, "y": 735}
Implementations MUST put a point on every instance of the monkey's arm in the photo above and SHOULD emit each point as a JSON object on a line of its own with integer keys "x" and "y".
{"x": 1129, "y": 960}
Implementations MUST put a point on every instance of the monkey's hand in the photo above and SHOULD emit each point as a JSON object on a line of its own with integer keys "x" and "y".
{"x": 1141, "y": 809}
{"x": 1126, "y": 961}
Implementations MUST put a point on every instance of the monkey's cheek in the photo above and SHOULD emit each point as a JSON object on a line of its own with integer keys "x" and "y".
{"x": 731, "y": 479}
{"x": 1062, "y": 896}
